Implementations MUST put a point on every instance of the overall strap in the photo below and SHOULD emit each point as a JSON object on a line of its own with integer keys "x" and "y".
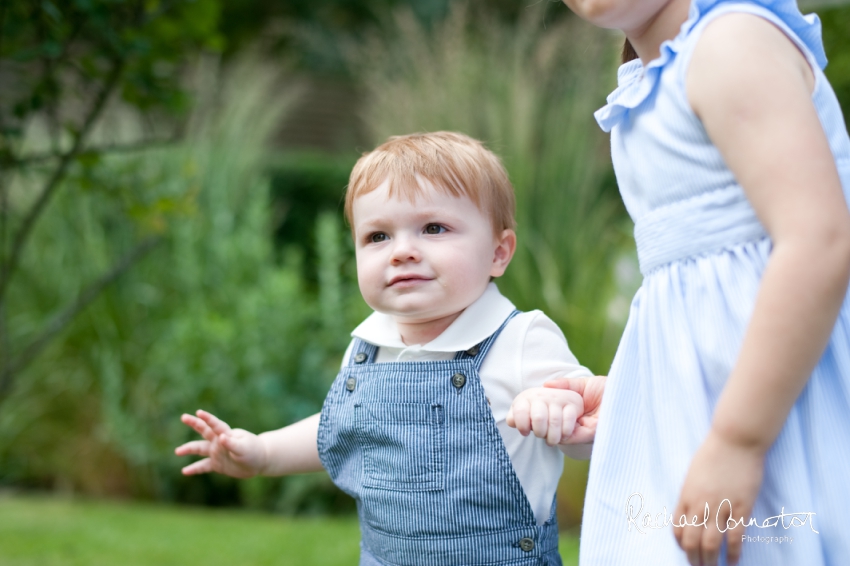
{"x": 479, "y": 351}
{"x": 362, "y": 352}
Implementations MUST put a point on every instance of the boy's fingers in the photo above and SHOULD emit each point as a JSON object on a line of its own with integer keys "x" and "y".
{"x": 509, "y": 419}
{"x": 568, "y": 420}
{"x": 584, "y": 432}
{"x": 199, "y": 426}
{"x": 230, "y": 443}
{"x": 578, "y": 403}
{"x": 522, "y": 420}
{"x": 234, "y": 442}
{"x": 576, "y": 384}
{"x": 553, "y": 435}
{"x": 217, "y": 425}
{"x": 196, "y": 447}
{"x": 200, "y": 467}
{"x": 539, "y": 418}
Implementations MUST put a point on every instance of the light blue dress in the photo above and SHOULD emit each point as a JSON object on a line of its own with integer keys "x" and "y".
{"x": 702, "y": 252}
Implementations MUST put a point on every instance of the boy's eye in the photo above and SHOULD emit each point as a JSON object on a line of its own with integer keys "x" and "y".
{"x": 378, "y": 237}
{"x": 434, "y": 229}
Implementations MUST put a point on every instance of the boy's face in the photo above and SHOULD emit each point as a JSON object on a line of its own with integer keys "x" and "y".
{"x": 425, "y": 260}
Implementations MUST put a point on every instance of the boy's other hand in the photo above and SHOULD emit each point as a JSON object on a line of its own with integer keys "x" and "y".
{"x": 591, "y": 390}
{"x": 548, "y": 413}
{"x": 233, "y": 452}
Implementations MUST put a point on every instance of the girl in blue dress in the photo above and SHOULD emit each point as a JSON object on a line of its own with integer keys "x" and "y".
{"x": 724, "y": 431}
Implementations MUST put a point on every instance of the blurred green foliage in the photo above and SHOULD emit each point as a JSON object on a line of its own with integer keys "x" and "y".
{"x": 305, "y": 186}
{"x": 316, "y": 34}
{"x": 54, "y": 50}
{"x": 836, "y": 38}
{"x": 245, "y": 307}
{"x": 209, "y": 320}
{"x": 63, "y": 65}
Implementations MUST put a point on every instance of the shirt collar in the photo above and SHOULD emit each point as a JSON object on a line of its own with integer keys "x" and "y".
{"x": 478, "y": 321}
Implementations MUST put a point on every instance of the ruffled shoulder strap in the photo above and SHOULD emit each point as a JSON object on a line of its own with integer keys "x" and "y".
{"x": 636, "y": 82}
{"x": 806, "y": 27}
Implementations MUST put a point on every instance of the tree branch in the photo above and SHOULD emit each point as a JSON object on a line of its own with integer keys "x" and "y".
{"x": 109, "y": 148}
{"x": 9, "y": 266}
{"x": 60, "y": 321}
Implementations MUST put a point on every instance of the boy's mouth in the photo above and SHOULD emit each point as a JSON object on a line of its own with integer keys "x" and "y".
{"x": 407, "y": 280}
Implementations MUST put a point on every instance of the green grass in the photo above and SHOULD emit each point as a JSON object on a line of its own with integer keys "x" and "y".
{"x": 47, "y": 531}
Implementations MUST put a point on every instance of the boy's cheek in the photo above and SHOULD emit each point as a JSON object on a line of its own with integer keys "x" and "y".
{"x": 369, "y": 283}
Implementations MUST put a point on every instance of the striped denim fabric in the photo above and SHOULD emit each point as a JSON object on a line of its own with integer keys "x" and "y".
{"x": 416, "y": 445}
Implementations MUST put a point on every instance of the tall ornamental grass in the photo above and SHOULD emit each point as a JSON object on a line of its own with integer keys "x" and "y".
{"x": 208, "y": 319}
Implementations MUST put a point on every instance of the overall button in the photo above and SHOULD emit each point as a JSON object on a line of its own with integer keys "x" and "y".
{"x": 526, "y": 544}
{"x": 458, "y": 380}
{"x": 472, "y": 351}
{"x": 350, "y": 383}
{"x": 360, "y": 358}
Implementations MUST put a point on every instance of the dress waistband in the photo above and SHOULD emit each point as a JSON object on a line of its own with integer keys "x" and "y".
{"x": 697, "y": 226}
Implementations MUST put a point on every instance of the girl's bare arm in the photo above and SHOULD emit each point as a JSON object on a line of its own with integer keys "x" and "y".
{"x": 759, "y": 114}
{"x": 752, "y": 88}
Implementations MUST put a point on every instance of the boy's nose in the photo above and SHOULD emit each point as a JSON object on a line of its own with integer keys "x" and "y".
{"x": 404, "y": 251}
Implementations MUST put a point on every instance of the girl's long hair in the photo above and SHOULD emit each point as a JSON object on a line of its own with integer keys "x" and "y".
{"x": 629, "y": 53}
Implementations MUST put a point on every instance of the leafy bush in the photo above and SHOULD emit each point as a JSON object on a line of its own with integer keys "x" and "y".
{"x": 836, "y": 22}
{"x": 209, "y": 319}
{"x": 306, "y": 185}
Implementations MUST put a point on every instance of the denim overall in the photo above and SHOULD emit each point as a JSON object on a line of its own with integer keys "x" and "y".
{"x": 416, "y": 445}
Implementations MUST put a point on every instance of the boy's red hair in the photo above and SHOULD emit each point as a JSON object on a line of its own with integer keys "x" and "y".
{"x": 452, "y": 162}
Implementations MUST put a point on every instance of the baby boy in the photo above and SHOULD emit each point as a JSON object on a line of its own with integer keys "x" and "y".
{"x": 428, "y": 423}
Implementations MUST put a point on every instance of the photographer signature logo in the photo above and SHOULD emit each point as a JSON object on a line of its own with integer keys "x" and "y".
{"x": 641, "y": 520}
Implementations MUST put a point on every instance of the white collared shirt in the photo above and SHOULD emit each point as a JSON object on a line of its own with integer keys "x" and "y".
{"x": 529, "y": 351}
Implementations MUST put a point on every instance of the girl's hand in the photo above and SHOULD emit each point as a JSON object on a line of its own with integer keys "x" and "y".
{"x": 549, "y": 413}
{"x": 591, "y": 390}
{"x": 233, "y": 452}
{"x": 721, "y": 470}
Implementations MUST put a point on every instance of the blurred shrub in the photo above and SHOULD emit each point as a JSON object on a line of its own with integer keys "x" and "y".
{"x": 305, "y": 185}
{"x": 836, "y": 38}
{"x": 208, "y": 320}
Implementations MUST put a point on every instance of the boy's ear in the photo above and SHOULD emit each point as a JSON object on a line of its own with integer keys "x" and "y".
{"x": 505, "y": 248}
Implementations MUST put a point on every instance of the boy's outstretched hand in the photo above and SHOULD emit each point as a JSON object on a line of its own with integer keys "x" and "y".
{"x": 233, "y": 452}
{"x": 591, "y": 390}
{"x": 548, "y": 413}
